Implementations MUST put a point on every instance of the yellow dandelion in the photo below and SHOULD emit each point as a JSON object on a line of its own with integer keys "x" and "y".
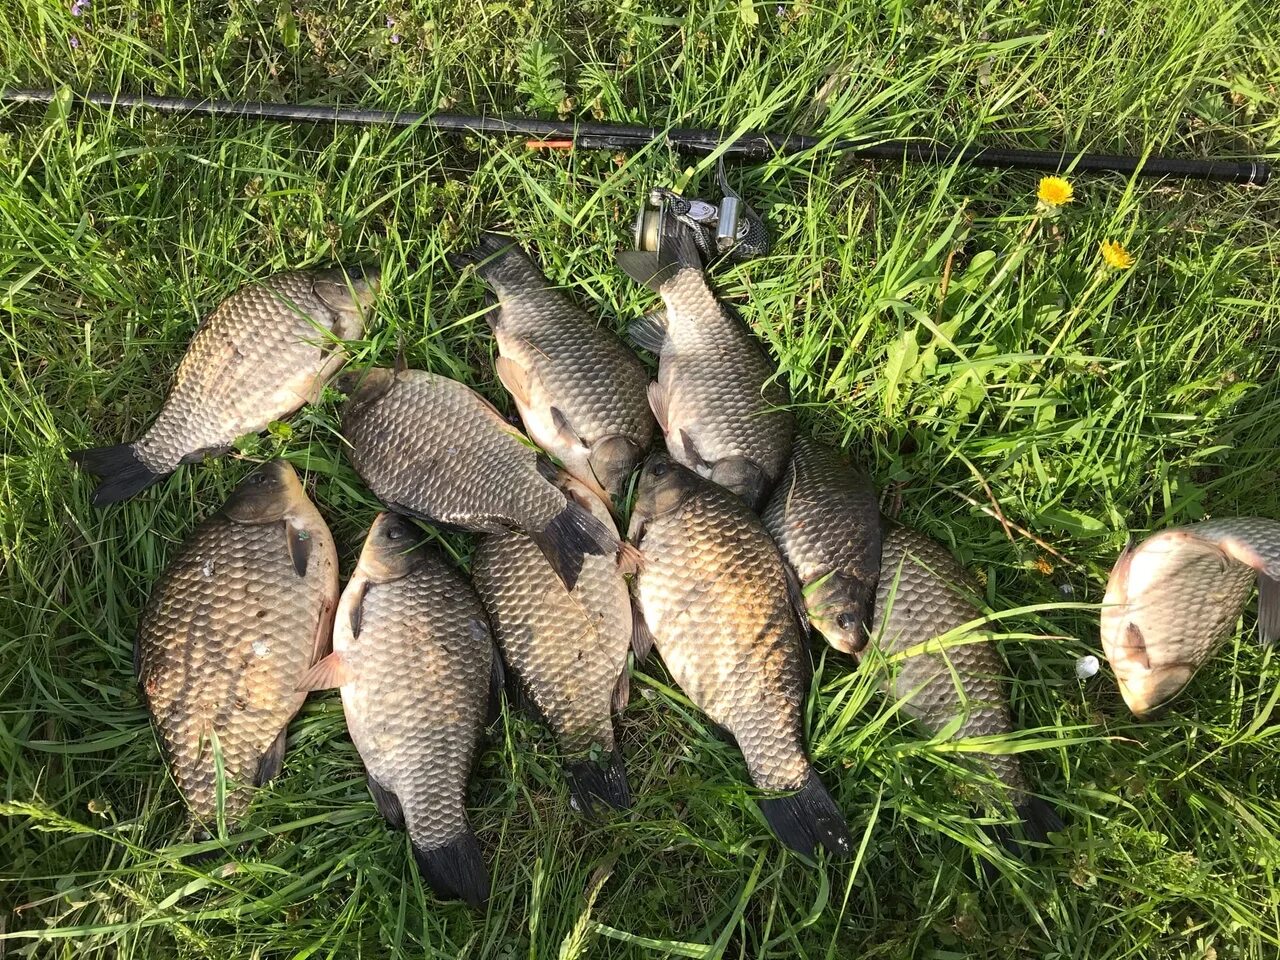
{"x": 1054, "y": 192}
{"x": 1116, "y": 256}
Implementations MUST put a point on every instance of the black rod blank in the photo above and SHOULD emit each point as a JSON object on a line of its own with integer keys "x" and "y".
{"x": 608, "y": 136}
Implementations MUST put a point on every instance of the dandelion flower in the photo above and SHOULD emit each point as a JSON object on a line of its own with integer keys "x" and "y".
{"x": 1116, "y": 256}
{"x": 1054, "y": 192}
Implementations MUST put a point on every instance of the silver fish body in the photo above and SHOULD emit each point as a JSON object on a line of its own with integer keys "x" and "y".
{"x": 432, "y": 447}
{"x": 825, "y": 519}
{"x": 921, "y": 595}
{"x": 712, "y": 592}
{"x": 415, "y": 662}
{"x": 567, "y": 649}
{"x": 581, "y": 391}
{"x": 231, "y": 626}
{"x": 265, "y": 351}
{"x": 717, "y": 398}
{"x": 1175, "y": 598}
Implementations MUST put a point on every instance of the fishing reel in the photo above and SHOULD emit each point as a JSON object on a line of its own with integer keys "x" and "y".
{"x": 729, "y": 230}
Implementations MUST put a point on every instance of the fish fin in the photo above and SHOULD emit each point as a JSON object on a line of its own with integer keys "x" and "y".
{"x": 570, "y": 534}
{"x": 621, "y": 691}
{"x": 691, "y": 450}
{"x": 388, "y": 804}
{"x": 744, "y": 477}
{"x": 269, "y": 763}
{"x": 401, "y": 364}
{"x": 809, "y": 818}
{"x": 325, "y": 674}
{"x": 649, "y": 332}
{"x": 514, "y": 378}
{"x": 123, "y": 473}
{"x": 592, "y": 781}
{"x": 137, "y": 658}
{"x": 205, "y": 453}
{"x": 796, "y": 592}
{"x": 676, "y": 252}
{"x": 645, "y": 268}
{"x": 630, "y": 559}
{"x": 497, "y": 683}
{"x": 356, "y": 616}
{"x": 641, "y": 638}
{"x": 298, "y": 542}
{"x": 1136, "y": 645}
{"x": 455, "y": 871}
{"x": 560, "y": 421}
{"x": 658, "y": 404}
{"x": 1268, "y": 608}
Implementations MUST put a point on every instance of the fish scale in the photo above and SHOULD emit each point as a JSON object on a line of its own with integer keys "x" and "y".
{"x": 553, "y": 357}
{"x": 825, "y": 519}
{"x": 435, "y": 446}
{"x": 719, "y": 387}
{"x": 922, "y": 594}
{"x": 1175, "y": 598}
{"x": 713, "y": 593}
{"x": 227, "y": 634}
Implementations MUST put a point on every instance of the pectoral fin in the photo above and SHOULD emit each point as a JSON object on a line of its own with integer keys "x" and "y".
{"x": 329, "y": 672}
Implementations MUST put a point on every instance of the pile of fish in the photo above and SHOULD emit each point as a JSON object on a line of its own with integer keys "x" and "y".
{"x": 741, "y": 537}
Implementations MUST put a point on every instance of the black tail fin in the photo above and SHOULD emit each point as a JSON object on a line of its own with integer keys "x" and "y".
{"x": 676, "y": 251}
{"x": 455, "y": 871}
{"x": 123, "y": 473}
{"x": 571, "y": 533}
{"x": 591, "y": 782}
{"x": 1039, "y": 820}
{"x": 809, "y": 818}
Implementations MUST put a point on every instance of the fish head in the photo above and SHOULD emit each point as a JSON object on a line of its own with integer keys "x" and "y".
{"x": 837, "y": 608}
{"x": 612, "y": 460}
{"x": 363, "y": 387}
{"x": 390, "y": 550}
{"x": 585, "y": 496}
{"x": 663, "y": 486}
{"x": 1156, "y": 625}
{"x": 349, "y": 292}
{"x": 266, "y": 495}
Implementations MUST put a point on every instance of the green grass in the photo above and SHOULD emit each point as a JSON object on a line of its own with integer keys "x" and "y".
{"x": 1087, "y": 405}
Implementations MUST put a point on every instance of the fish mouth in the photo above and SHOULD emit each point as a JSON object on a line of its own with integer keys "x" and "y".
{"x": 1148, "y": 696}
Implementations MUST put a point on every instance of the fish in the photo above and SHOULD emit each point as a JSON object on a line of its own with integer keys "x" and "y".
{"x": 712, "y": 594}
{"x": 1176, "y": 597}
{"x": 433, "y": 448}
{"x": 567, "y": 650}
{"x": 825, "y": 519}
{"x": 265, "y": 351}
{"x": 717, "y": 399}
{"x": 581, "y": 391}
{"x": 922, "y": 594}
{"x": 414, "y": 660}
{"x": 232, "y": 625}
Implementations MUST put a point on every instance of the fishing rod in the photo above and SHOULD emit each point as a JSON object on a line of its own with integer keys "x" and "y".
{"x": 755, "y": 145}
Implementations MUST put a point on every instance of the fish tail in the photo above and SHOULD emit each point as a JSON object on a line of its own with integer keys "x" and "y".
{"x": 809, "y": 818}
{"x": 591, "y": 781}
{"x": 122, "y": 471}
{"x": 455, "y": 871}
{"x": 676, "y": 252}
{"x": 571, "y": 533}
{"x": 498, "y": 260}
{"x": 1039, "y": 819}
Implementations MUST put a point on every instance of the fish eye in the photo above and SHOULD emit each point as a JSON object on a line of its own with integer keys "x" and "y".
{"x": 660, "y": 469}
{"x": 845, "y": 620}
{"x": 395, "y": 533}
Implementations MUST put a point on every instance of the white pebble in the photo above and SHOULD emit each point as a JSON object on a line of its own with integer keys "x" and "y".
{"x": 206, "y": 571}
{"x": 1086, "y": 667}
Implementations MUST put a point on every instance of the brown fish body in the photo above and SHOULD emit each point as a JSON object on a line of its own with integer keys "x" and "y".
{"x": 923, "y": 594}
{"x": 717, "y": 398}
{"x": 1175, "y": 598}
{"x": 825, "y": 519}
{"x": 414, "y": 658}
{"x": 712, "y": 591}
{"x": 581, "y": 391}
{"x": 265, "y": 351}
{"x": 232, "y": 625}
{"x": 568, "y": 649}
{"x": 431, "y": 447}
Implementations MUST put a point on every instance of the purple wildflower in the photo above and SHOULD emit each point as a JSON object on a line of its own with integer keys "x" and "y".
{"x": 77, "y": 8}
{"x": 391, "y": 22}
{"x": 75, "y": 42}
{"x": 395, "y": 38}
